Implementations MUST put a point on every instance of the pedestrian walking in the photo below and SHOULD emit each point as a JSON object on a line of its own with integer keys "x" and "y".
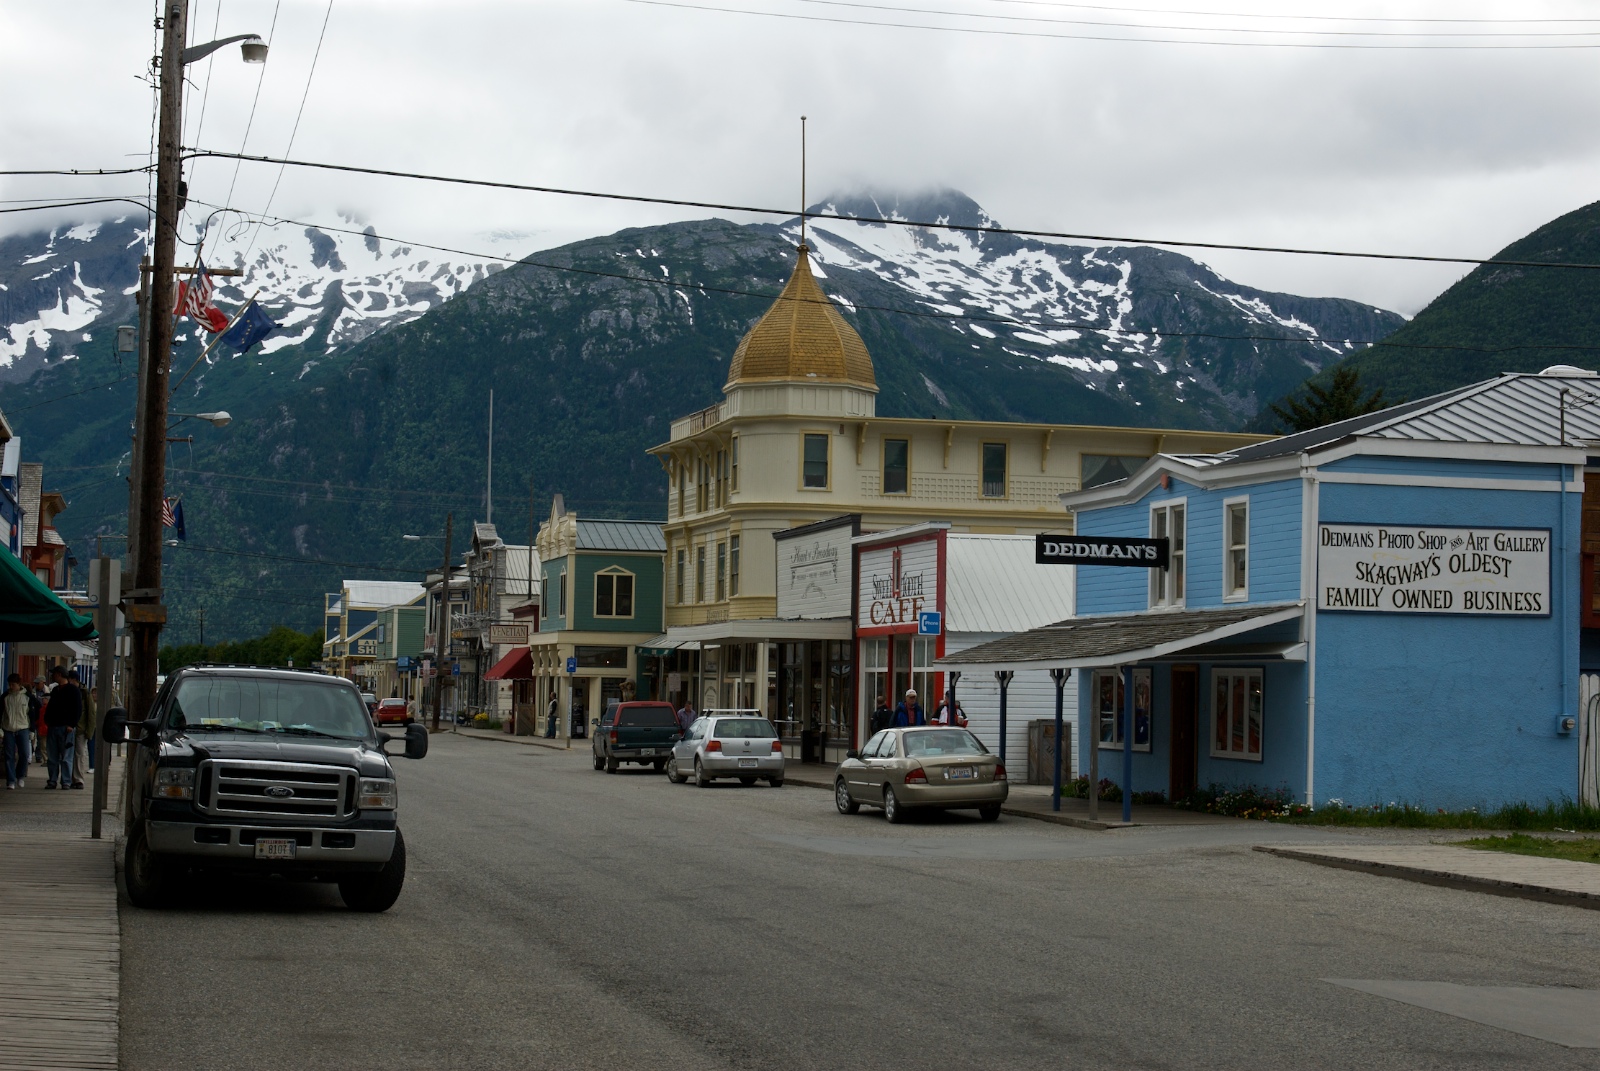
{"x": 553, "y": 711}
{"x": 881, "y": 717}
{"x": 61, "y": 717}
{"x": 909, "y": 711}
{"x": 942, "y": 715}
{"x": 83, "y": 740}
{"x": 15, "y": 724}
{"x": 686, "y": 715}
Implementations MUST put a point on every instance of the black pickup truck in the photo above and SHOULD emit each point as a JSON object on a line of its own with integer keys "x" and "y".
{"x": 262, "y": 771}
{"x": 641, "y": 732}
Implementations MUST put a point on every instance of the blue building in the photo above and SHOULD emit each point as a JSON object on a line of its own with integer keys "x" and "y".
{"x": 1390, "y": 608}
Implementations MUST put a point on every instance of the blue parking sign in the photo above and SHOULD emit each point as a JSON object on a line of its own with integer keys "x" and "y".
{"x": 930, "y": 623}
{"x": 572, "y": 665}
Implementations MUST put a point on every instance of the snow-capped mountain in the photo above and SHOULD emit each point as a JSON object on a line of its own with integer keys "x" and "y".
{"x": 66, "y": 290}
{"x": 1098, "y": 311}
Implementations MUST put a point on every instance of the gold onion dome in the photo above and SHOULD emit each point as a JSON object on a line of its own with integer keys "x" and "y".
{"x": 802, "y": 338}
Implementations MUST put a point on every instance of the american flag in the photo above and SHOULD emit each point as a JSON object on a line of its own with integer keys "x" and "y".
{"x": 167, "y": 519}
{"x": 194, "y": 300}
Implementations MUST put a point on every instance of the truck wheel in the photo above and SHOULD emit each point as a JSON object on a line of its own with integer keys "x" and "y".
{"x": 377, "y": 891}
{"x": 144, "y": 872}
{"x": 611, "y": 765}
{"x": 599, "y": 763}
{"x": 660, "y": 764}
{"x": 700, "y": 778}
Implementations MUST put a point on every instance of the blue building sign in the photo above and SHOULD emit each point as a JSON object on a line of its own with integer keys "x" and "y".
{"x": 929, "y": 623}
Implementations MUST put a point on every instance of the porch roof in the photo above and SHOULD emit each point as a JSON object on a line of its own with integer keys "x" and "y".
{"x": 1122, "y": 639}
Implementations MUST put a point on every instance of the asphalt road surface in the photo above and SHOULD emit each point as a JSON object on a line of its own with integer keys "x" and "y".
{"x": 555, "y": 917}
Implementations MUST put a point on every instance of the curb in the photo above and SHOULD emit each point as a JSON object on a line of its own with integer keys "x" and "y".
{"x": 509, "y": 738}
{"x": 1445, "y": 879}
{"x": 1015, "y": 812}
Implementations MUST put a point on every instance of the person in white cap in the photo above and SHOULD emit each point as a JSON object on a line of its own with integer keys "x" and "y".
{"x": 909, "y": 712}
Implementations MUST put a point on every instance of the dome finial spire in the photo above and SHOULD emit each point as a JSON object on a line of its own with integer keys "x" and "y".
{"x": 802, "y": 182}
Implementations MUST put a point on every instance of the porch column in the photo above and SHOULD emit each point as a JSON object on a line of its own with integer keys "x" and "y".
{"x": 1061, "y": 676}
{"x": 1127, "y": 743}
{"x": 1003, "y": 676}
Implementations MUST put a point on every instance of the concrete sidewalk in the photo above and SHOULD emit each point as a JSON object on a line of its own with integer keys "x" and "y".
{"x": 1560, "y": 881}
{"x": 578, "y": 743}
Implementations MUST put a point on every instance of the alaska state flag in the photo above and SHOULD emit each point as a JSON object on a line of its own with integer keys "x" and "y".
{"x": 251, "y": 327}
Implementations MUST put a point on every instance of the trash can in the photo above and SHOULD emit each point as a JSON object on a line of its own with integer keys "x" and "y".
{"x": 1042, "y": 751}
{"x": 808, "y": 745}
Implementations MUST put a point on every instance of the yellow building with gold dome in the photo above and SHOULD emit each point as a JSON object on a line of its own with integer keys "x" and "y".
{"x": 796, "y": 440}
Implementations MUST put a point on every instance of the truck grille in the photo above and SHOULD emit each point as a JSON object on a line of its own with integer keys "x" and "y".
{"x": 279, "y": 789}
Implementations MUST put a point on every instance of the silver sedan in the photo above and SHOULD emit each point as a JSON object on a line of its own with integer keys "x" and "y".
{"x": 931, "y": 766}
{"x": 742, "y": 745}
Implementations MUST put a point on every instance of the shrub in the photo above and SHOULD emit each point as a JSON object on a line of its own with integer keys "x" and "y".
{"x": 1246, "y": 802}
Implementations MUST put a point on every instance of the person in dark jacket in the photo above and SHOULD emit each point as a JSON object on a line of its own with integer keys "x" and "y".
{"x": 61, "y": 717}
{"x": 880, "y": 717}
{"x": 909, "y": 712}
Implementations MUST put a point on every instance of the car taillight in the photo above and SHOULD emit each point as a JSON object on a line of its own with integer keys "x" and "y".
{"x": 917, "y": 777}
{"x": 999, "y": 772}
{"x": 613, "y": 736}
{"x": 715, "y": 745}
{"x": 777, "y": 745}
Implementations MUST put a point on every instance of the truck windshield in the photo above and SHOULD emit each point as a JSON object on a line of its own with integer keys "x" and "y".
{"x": 656, "y": 715}
{"x": 745, "y": 728}
{"x": 264, "y": 705}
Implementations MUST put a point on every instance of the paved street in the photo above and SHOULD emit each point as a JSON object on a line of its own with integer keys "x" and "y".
{"x": 557, "y": 917}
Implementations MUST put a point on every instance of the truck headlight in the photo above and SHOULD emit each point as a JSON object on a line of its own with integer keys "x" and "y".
{"x": 175, "y": 783}
{"x": 377, "y": 794}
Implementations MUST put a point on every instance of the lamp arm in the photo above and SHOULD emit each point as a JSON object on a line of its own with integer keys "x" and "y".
{"x": 199, "y": 52}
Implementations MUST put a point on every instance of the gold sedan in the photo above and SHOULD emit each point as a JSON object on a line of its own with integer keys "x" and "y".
{"x": 932, "y": 766}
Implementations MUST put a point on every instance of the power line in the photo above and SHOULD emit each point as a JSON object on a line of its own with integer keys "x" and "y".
{"x": 860, "y": 5}
{"x": 74, "y": 394}
{"x": 1305, "y": 18}
{"x": 295, "y": 130}
{"x": 1345, "y": 45}
{"x": 378, "y": 566}
{"x": 261, "y": 76}
{"x": 1101, "y": 239}
{"x": 79, "y": 204}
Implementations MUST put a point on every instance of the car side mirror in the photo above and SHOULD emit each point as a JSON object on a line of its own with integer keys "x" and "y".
{"x": 114, "y": 727}
{"x": 852, "y": 754}
{"x": 416, "y": 741}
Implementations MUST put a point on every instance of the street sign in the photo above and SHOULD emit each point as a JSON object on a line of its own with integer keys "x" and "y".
{"x": 1127, "y": 551}
{"x": 403, "y": 664}
{"x": 930, "y": 623}
{"x": 572, "y": 665}
{"x": 455, "y": 669}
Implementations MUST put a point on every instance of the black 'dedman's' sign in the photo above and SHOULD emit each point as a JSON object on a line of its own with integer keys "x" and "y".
{"x": 1100, "y": 550}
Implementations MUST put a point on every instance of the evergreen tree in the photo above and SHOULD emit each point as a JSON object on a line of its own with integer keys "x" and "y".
{"x": 1340, "y": 400}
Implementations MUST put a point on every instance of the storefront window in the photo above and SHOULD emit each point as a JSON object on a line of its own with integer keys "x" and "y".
{"x": 874, "y": 677}
{"x": 1108, "y": 701}
{"x": 601, "y": 657}
{"x": 1236, "y": 714}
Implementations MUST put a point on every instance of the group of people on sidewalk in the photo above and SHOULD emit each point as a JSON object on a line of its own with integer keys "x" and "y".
{"x": 908, "y": 712}
{"x": 54, "y": 725}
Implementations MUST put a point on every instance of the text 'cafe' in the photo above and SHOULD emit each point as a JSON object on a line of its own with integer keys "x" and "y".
{"x": 1401, "y": 607}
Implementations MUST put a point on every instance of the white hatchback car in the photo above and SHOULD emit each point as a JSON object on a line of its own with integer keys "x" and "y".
{"x": 740, "y": 744}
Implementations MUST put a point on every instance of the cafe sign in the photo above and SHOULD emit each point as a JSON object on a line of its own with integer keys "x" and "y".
{"x": 1410, "y": 569}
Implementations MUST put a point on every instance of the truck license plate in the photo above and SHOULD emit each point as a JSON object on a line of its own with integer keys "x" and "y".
{"x": 275, "y": 849}
{"x": 747, "y": 763}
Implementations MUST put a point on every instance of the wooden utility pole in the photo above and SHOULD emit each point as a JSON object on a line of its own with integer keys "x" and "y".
{"x": 444, "y": 623}
{"x": 145, "y": 612}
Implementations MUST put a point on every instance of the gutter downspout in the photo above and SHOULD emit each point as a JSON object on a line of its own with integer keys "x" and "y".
{"x": 1310, "y": 511}
{"x": 1566, "y": 594}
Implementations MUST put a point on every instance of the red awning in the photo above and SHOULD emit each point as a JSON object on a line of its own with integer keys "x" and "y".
{"x": 516, "y": 666}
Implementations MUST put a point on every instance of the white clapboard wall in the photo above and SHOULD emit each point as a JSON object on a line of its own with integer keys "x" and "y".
{"x": 1589, "y": 739}
{"x": 1032, "y": 695}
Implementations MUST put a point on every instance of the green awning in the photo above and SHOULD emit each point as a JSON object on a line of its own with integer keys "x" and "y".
{"x": 31, "y": 611}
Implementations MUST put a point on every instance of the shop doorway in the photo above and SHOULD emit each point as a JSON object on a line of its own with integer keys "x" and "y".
{"x": 1185, "y": 732}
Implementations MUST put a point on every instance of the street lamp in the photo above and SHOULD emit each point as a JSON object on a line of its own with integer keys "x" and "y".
{"x": 220, "y": 419}
{"x": 253, "y": 49}
{"x": 143, "y": 607}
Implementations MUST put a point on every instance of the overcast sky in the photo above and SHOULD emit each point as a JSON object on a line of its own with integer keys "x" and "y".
{"x": 1408, "y": 150}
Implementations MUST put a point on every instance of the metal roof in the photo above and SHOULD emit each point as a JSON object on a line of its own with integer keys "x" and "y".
{"x": 1116, "y": 639}
{"x": 377, "y": 594}
{"x": 1519, "y": 409}
{"x": 621, "y": 535}
{"x": 993, "y": 584}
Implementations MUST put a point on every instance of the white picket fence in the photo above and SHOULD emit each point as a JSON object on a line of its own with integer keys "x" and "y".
{"x": 1589, "y": 739}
